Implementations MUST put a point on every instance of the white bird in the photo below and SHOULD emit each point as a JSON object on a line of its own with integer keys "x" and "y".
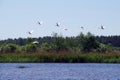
{"x": 58, "y": 24}
{"x": 40, "y": 22}
{"x": 65, "y": 29}
{"x": 35, "y": 42}
{"x": 102, "y": 27}
{"x": 30, "y": 32}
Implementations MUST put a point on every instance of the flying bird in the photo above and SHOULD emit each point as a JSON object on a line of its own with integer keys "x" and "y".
{"x": 65, "y": 29}
{"x": 58, "y": 24}
{"x": 102, "y": 27}
{"x": 40, "y": 22}
{"x": 82, "y": 27}
{"x": 35, "y": 42}
{"x": 30, "y": 32}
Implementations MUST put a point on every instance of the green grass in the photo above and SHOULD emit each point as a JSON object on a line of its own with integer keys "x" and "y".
{"x": 60, "y": 58}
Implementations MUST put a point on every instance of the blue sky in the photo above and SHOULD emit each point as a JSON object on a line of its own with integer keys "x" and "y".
{"x": 17, "y": 17}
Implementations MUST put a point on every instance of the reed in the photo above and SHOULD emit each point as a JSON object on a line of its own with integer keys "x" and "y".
{"x": 60, "y": 58}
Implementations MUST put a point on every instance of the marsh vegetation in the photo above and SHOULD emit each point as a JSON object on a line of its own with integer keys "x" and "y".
{"x": 80, "y": 49}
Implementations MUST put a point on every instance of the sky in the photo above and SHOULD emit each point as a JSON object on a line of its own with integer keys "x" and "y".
{"x": 17, "y": 17}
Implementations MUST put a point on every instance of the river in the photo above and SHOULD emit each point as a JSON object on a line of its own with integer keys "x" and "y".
{"x": 59, "y": 71}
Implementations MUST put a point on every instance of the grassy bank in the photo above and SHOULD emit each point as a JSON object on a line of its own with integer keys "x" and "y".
{"x": 61, "y": 57}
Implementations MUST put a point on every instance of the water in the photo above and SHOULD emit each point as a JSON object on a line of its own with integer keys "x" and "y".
{"x": 59, "y": 71}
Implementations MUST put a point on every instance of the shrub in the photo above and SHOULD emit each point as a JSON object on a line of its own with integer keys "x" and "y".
{"x": 87, "y": 42}
{"x": 8, "y": 48}
{"x": 30, "y": 48}
{"x": 48, "y": 47}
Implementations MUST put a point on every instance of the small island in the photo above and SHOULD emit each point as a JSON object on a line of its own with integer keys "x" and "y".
{"x": 84, "y": 48}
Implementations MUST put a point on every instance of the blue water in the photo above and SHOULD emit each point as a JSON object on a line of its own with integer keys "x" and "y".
{"x": 59, "y": 71}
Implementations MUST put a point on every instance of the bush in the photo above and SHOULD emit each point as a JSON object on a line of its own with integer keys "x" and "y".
{"x": 105, "y": 48}
{"x": 47, "y": 47}
{"x": 87, "y": 42}
{"x": 8, "y": 48}
{"x": 30, "y": 48}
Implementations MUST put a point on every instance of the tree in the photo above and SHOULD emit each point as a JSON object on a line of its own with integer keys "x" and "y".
{"x": 87, "y": 42}
{"x": 30, "y": 48}
{"x": 8, "y": 48}
{"x": 59, "y": 42}
{"x": 48, "y": 47}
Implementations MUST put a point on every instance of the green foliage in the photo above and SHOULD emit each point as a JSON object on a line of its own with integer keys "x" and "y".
{"x": 60, "y": 44}
{"x": 57, "y": 43}
{"x": 29, "y": 40}
{"x": 30, "y": 48}
{"x": 87, "y": 42}
{"x": 66, "y": 58}
{"x": 8, "y": 48}
{"x": 48, "y": 47}
{"x": 105, "y": 48}
{"x": 71, "y": 49}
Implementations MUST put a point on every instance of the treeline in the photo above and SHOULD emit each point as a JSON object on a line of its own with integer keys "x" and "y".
{"x": 110, "y": 40}
{"x": 57, "y": 44}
